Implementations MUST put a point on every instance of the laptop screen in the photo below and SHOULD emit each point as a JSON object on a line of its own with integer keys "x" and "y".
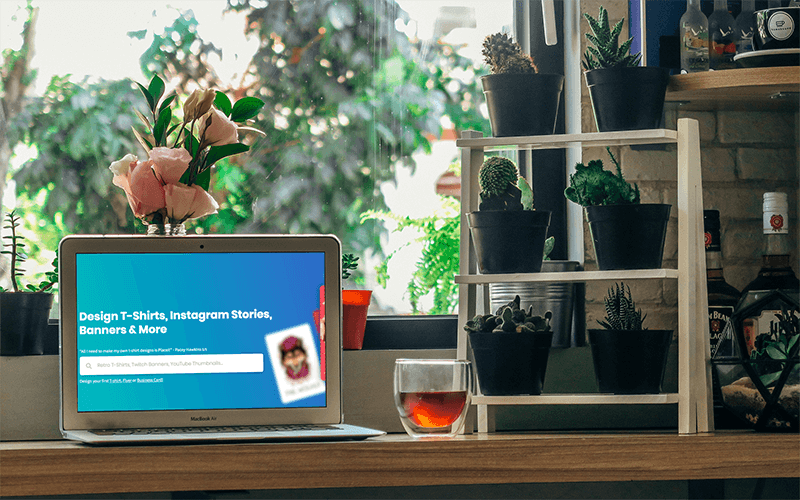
{"x": 202, "y": 331}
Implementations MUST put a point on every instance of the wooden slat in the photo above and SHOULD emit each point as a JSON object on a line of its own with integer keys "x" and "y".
{"x": 64, "y": 468}
{"x": 737, "y": 89}
{"x": 577, "y": 276}
{"x": 579, "y": 399}
{"x": 594, "y": 139}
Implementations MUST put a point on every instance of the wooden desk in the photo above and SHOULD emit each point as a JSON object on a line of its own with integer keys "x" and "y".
{"x": 61, "y": 467}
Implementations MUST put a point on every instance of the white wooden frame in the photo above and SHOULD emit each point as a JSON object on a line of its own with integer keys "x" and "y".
{"x": 694, "y": 377}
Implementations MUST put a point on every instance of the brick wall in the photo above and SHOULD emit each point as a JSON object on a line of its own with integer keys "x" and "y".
{"x": 743, "y": 154}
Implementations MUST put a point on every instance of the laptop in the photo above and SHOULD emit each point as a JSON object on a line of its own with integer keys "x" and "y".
{"x": 206, "y": 338}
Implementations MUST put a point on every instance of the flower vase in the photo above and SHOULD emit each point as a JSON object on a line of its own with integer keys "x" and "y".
{"x": 166, "y": 229}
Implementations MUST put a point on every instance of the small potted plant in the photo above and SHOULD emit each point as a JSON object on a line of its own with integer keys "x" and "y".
{"x": 508, "y": 232}
{"x": 624, "y": 95}
{"x": 24, "y": 311}
{"x": 355, "y": 304}
{"x": 628, "y": 358}
{"x": 626, "y": 233}
{"x": 521, "y": 101}
{"x": 511, "y": 348}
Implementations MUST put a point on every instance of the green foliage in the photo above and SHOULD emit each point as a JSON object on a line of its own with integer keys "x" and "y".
{"x": 18, "y": 257}
{"x": 503, "y": 55}
{"x": 349, "y": 264}
{"x": 780, "y": 344}
{"x": 435, "y": 271}
{"x": 591, "y": 185}
{"x": 510, "y": 318}
{"x": 606, "y": 48}
{"x": 549, "y": 244}
{"x": 621, "y": 313}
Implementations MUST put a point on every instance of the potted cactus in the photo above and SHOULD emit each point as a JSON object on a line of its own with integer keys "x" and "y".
{"x": 521, "y": 101}
{"x": 624, "y": 95}
{"x": 507, "y": 231}
{"x": 511, "y": 348}
{"x": 25, "y": 310}
{"x": 628, "y": 358}
{"x": 626, "y": 233}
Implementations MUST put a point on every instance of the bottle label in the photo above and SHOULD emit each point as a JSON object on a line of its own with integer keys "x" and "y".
{"x": 775, "y": 223}
{"x": 780, "y": 25}
{"x": 764, "y": 324}
{"x": 711, "y": 239}
{"x": 718, "y": 318}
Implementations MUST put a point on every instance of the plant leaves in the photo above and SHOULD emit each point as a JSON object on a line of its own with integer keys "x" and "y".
{"x": 160, "y": 130}
{"x": 217, "y": 153}
{"x": 167, "y": 102}
{"x": 222, "y": 103}
{"x": 144, "y": 142}
{"x": 246, "y": 108}
{"x": 156, "y": 88}
{"x": 148, "y": 96}
{"x": 191, "y": 144}
{"x": 204, "y": 179}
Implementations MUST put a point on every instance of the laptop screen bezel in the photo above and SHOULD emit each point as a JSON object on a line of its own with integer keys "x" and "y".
{"x": 71, "y": 246}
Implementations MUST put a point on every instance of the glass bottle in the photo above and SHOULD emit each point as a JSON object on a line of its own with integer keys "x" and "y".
{"x": 776, "y": 271}
{"x": 694, "y": 39}
{"x": 746, "y": 26}
{"x": 722, "y": 37}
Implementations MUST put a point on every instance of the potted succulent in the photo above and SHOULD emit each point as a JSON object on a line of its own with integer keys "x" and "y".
{"x": 628, "y": 358}
{"x": 355, "y": 304}
{"x": 511, "y": 348}
{"x": 508, "y": 232}
{"x": 624, "y": 95}
{"x": 520, "y": 100}
{"x": 626, "y": 233}
{"x": 24, "y": 311}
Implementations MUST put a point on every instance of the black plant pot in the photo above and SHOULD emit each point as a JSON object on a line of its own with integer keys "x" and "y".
{"x": 628, "y": 362}
{"x": 23, "y": 323}
{"x": 628, "y": 236}
{"x": 509, "y": 241}
{"x": 522, "y": 104}
{"x": 510, "y": 363}
{"x": 627, "y": 98}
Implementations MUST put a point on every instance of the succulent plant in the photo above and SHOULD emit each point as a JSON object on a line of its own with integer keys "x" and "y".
{"x": 504, "y": 55}
{"x": 591, "y": 185}
{"x": 510, "y": 318}
{"x": 502, "y": 188}
{"x": 606, "y": 48}
{"x": 18, "y": 257}
{"x": 621, "y": 313}
{"x": 349, "y": 264}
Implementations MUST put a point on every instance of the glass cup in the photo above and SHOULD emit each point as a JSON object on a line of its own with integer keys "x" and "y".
{"x": 433, "y": 395}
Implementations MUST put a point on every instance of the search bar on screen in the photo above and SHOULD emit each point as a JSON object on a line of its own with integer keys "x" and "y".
{"x": 169, "y": 364}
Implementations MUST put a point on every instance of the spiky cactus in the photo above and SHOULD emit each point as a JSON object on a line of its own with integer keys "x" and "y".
{"x": 606, "y": 48}
{"x": 510, "y": 318}
{"x": 496, "y": 174}
{"x": 504, "y": 55}
{"x": 621, "y": 313}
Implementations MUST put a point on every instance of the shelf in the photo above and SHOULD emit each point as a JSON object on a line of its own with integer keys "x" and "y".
{"x": 595, "y": 139}
{"x": 577, "y": 276}
{"x": 750, "y": 89}
{"x": 574, "y": 399}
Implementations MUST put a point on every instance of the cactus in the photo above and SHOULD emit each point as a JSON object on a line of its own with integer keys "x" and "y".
{"x": 591, "y": 185}
{"x": 510, "y": 318}
{"x": 502, "y": 188}
{"x": 606, "y": 48}
{"x": 504, "y": 55}
{"x": 621, "y": 313}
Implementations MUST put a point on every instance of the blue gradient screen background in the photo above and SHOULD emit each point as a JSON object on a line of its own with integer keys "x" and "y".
{"x": 287, "y": 285}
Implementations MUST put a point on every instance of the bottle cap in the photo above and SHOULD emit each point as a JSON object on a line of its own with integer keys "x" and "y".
{"x": 711, "y": 228}
{"x": 776, "y": 213}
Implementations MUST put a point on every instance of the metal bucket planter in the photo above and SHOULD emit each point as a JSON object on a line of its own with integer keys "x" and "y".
{"x": 558, "y": 298}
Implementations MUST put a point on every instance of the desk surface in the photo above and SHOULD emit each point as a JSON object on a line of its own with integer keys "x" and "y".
{"x": 62, "y": 467}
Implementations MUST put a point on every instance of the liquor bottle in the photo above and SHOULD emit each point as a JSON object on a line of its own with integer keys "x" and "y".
{"x": 722, "y": 297}
{"x": 776, "y": 271}
{"x": 722, "y": 37}
{"x": 746, "y": 26}
{"x": 694, "y": 39}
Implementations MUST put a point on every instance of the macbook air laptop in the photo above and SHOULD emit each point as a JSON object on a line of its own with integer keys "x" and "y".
{"x": 201, "y": 338}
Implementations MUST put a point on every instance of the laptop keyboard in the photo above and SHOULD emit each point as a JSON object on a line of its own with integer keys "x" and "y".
{"x": 207, "y": 430}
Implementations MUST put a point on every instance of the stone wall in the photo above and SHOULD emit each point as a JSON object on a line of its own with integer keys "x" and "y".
{"x": 743, "y": 154}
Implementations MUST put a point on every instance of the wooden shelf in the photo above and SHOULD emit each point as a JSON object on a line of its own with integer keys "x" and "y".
{"x": 594, "y": 139}
{"x": 577, "y": 276}
{"x": 582, "y": 399}
{"x": 751, "y": 89}
{"x": 68, "y": 468}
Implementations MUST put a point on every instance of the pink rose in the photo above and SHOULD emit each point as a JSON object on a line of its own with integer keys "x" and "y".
{"x": 144, "y": 191}
{"x": 170, "y": 163}
{"x": 221, "y": 131}
{"x": 188, "y": 202}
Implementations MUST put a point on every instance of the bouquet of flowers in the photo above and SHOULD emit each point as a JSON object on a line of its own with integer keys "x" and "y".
{"x": 171, "y": 186}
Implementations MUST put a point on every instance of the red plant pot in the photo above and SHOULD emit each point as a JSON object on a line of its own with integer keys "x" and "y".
{"x": 355, "y": 304}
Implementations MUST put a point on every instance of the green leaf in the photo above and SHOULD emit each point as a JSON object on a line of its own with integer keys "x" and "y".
{"x": 245, "y": 108}
{"x": 775, "y": 353}
{"x": 770, "y": 378}
{"x": 191, "y": 144}
{"x": 167, "y": 102}
{"x": 159, "y": 131}
{"x": 148, "y": 96}
{"x": 217, "y": 153}
{"x": 156, "y": 89}
{"x": 204, "y": 179}
{"x": 222, "y": 103}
